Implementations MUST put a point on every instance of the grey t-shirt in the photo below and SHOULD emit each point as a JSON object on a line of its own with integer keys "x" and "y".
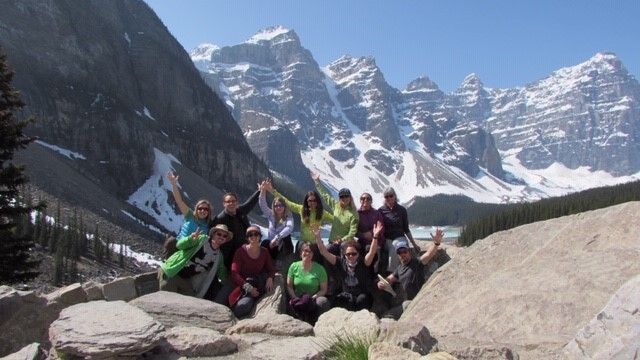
{"x": 411, "y": 277}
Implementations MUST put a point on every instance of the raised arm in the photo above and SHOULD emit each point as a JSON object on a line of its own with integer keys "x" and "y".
{"x": 173, "y": 179}
{"x": 322, "y": 248}
{"x": 433, "y": 247}
{"x": 246, "y": 207}
{"x": 368, "y": 258}
{"x": 262, "y": 201}
{"x": 324, "y": 193}
{"x": 297, "y": 208}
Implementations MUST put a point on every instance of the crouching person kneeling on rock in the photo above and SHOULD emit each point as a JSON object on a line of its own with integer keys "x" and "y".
{"x": 197, "y": 267}
{"x": 307, "y": 286}
{"x": 410, "y": 271}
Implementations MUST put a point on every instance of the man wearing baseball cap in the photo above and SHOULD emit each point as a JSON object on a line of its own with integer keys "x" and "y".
{"x": 410, "y": 271}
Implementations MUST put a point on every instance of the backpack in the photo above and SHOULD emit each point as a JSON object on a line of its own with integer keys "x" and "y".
{"x": 169, "y": 246}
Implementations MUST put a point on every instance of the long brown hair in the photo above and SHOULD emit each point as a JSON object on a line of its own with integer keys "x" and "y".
{"x": 306, "y": 212}
{"x": 285, "y": 214}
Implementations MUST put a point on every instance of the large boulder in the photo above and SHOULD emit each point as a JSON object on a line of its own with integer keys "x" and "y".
{"x": 533, "y": 286}
{"x": 285, "y": 348}
{"x": 104, "y": 330}
{"x": 340, "y": 322}
{"x": 24, "y": 319}
{"x": 29, "y": 352}
{"x": 172, "y": 309}
{"x": 615, "y": 332}
{"x": 279, "y": 324}
{"x": 194, "y": 341}
{"x": 68, "y": 295}
{"x": 387, "y": 351}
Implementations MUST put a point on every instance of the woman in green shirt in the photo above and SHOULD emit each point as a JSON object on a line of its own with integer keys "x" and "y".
{"x": 307, "y": 286}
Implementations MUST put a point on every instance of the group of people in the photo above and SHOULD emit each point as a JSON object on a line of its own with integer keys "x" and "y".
{"x": 225, "y": 259}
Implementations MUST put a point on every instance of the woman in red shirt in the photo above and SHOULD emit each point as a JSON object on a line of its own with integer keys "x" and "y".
{"x": 252, "y": 271}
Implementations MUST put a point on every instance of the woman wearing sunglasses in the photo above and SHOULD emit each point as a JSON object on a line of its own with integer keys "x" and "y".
{"x": 345, "y": 217}
{"x": 252, "y": 273}
{"x": 312, "y": 215}
{"x": 352, "y": 272}
{"x": 197, "y": 267}
{"x": 278, "y": 240}
{"x": 196, "y": 219}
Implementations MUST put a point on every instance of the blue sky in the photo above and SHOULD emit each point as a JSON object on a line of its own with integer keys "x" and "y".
{"x": 507, "y": 43}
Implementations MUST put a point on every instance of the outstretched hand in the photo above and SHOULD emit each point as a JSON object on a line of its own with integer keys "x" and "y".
{"x": 437, "y": 238}
{"x": 377, "y": 229}
{"x": 173, "y": 179}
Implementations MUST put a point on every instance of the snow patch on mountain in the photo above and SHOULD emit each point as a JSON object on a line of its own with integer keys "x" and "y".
{"x": 153, "y": 196}
{"x": 267, "y": 34}
{"x": 62, "y": 151}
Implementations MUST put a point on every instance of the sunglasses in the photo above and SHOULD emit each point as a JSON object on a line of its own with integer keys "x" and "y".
{"x": 230, "y": 201}
{"x": 344, "y": 196}
{"x": 278, "y": 206}
{"x": 389, "y": 196}
{"x": 222, "y": 234}
{"x": 365, "y": 199}
{"x": 202, "y": 209}
{"x": 312, "y": 200}
{"x": 253, "y": 233}
{"x": 351, "y": 254}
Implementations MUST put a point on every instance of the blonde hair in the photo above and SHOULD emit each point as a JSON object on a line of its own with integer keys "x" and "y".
{"x": 200, "y": 202}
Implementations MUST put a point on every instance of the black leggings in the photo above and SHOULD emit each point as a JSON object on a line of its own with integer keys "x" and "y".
{"x": 353, "y": 302}
{"x": 287, "y": 247}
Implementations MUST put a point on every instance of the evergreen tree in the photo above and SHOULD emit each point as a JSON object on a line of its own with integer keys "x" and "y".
{"x": 98, "y": 249}
{"x": 16, "y": 264}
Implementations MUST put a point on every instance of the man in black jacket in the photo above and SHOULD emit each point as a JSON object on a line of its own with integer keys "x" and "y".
{"x": 235, "y": 217}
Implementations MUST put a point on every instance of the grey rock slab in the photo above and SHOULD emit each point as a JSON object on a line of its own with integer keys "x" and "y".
{"x": 412, "y": 336}
{"x": 102, "y": 330}
{"x": 278, "y": 324}
{"x": 93, "y": 290}
{"x": 341, "y": 322}
{"x": 272, "y": 302}
{"x": 387, "y": 351}
{"x": 68, "y": 295}
{"x": 615, "y": 332}
{"x": 120, "y": 289}
{"x": 534, "y": 286}
{"x": 29, "y": 352}
{"x": 286, "y": 348}
{"x": 24, "y": 319}
{"x": 172, "y": 309}
{"x": 146, "y": 283}
{"x": 195, "y": 341}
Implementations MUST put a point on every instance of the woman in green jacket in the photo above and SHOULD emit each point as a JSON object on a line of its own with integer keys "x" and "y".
{"x": 345, "y": 215}
{"x": 197, "y": 267}
{"x": 311, "y": 213}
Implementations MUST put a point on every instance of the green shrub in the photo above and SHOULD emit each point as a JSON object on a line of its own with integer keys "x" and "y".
{"x": 348, "y": 347}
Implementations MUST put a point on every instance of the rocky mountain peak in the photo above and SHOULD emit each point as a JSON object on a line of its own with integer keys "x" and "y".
{"x": 201, "y": 55}
{"x": 423, "y": 83}
{"x": 274, "y": 35}
{"x": 471, "y": 82}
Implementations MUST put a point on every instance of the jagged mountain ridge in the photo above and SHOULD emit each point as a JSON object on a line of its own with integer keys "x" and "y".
{"x": 360, "y": 132}
{"x": 117, "y": 102}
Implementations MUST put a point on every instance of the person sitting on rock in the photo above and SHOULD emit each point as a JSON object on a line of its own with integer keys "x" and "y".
{"x": 410, "y": 272}
{"x": 197, "y": 267}
{"x": 345, "y": 215}
{"x": 280, "y": 219}
{"x": 352, "y": 272}
{"x": 307, "y": 286}
{"x": 196, "y": 219}
{"x": 252, "y": 273}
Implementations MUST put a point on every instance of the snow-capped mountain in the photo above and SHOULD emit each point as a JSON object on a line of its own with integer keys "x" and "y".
{"x": 577, "y": 128}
